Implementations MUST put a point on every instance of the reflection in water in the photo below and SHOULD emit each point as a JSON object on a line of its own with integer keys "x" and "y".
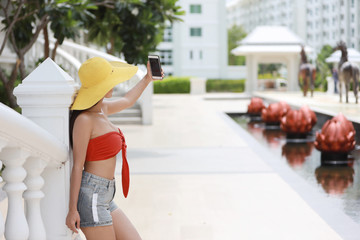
{"x": 341, "y": 182}
{"x": 296, "y": 153}
{"x": 273, "y": 137}
{"x": 335, "y": 179}
{"x": 255, "y": 129}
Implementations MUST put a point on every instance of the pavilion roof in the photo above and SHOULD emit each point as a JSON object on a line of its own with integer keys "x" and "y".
{"x": 270, "y": 39}
{"x": 353, "y": 56}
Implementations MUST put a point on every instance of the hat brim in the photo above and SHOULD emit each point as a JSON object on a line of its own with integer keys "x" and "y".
{"x": 88, "y": 97}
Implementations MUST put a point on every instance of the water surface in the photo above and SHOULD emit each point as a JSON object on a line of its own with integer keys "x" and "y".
{"x": 340, "y": 182}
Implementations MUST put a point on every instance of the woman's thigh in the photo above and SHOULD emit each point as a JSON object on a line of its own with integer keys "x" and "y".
{"x": 99, "y": 232}
{"x": 123, "y": 228}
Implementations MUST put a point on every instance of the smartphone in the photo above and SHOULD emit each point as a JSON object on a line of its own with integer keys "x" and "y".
{"x": 155, "y": 66}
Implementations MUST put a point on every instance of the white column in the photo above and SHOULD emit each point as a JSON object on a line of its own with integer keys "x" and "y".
{"x": 251, "y": 72}
{"x": 146, "y": 104}
{"x": 33, "y": 195}
{"x": 45, "y": 97}
{"x": 293, "y": 71}
{"x": 16, "y": 226}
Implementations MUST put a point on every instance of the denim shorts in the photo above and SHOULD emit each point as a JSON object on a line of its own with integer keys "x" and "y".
{"x": 96, "y": 200}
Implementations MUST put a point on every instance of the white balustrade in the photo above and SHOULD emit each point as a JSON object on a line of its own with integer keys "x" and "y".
{"x": 16, "y": 226}
{"x": 34, "y": 167}
{"x": 25, "y": 149}
{"x": 35, "y": 155}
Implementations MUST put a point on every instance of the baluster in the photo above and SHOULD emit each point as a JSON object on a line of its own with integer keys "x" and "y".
{"x": 16, "y": 226}
{"x": 3, "y": 143}
{"x": 34, "y": 167}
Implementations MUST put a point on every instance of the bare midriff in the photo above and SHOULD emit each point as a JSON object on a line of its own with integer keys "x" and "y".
{"x": 102, "y": 168}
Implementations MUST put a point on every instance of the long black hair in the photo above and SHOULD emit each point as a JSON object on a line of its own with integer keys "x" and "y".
{"x": 73, "y": 115}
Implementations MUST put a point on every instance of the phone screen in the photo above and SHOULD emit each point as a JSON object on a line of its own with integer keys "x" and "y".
{"x": 155, "y": 67}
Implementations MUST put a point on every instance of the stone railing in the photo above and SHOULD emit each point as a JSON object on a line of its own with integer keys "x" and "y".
{"x": 70, "y": 56}
{"x": 26, "y": 150}
{"x": 34, "y": 150}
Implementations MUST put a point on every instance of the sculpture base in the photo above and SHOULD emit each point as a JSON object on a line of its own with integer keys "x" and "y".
{"x": 255, "y": 117}
{"x": 254, "y": 114}
{"x": 334, "y": 158}
{"x": 296, "y": 135}
{"x": 272, "y": 123}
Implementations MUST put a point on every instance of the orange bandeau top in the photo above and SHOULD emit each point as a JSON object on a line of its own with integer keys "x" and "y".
{"x": 107, "y": 146}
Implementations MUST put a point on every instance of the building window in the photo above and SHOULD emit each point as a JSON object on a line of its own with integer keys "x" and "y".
{"x": 191, "y": 54}
{"x": 166, "y": 57}
{"x": 167, "y": 37}
{"x": 353, "y": 32}
{"x": 352, "y": 18}
{"x": 195, "y": 32}
{"x": 200, "y": 55}
{"x": 195, "y": 8}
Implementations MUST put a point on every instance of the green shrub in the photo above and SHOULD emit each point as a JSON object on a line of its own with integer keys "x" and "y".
{"x": 218, "y": 85}
{"x": 172, "y": 85}
{"x": 266, "y": 76}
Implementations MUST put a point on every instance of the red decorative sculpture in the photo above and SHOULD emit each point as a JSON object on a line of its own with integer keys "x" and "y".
{"x": 336, "y": 136}
{"x": 298, "y": 122}
{"x": 256, "y": 106}
{"x": 274, "y": 112}
{"x": 309, "y": 113}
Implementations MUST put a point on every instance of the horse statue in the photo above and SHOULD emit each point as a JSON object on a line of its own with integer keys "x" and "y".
{"x": 347, "y": 71}
{"x": 307, "y": 73}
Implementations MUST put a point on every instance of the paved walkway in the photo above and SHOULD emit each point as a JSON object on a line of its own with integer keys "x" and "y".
{"x": 195, "y": 175}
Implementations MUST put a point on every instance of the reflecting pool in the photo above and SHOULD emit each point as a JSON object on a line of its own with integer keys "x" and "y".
{"x": 339, "y": 181}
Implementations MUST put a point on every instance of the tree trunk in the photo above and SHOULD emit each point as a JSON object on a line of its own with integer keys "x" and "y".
{"x": 46, "y": 43}
{"x": 53, "y": 55}
{"x": 9, "y": 85}
{"x": 9, "y": 93}
{"x": 21, "y": 68}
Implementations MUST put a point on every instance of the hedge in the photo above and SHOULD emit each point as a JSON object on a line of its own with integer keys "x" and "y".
{"x": 219, "y": 85}
{"x": 172, "y": 85}
{"x": 182, "y": 85}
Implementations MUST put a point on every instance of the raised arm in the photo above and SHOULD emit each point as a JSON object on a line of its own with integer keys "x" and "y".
{"x": 131, "y": 96}
{"x": 81, "y": 135}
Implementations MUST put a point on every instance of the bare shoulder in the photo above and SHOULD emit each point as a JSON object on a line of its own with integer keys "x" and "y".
{"x": 84, "y": 122}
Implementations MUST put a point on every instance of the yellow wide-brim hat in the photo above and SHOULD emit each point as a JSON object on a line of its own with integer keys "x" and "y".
{"x": 98, "y": 76}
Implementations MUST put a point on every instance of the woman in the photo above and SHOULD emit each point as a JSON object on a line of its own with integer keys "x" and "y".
{"x": 96, "y": 142}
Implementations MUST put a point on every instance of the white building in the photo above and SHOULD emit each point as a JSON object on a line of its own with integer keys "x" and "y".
{"x": 318, "y": 22}
{"x": 253, "y": 13}
{"x": 198, "y": 45}
{"x": 329, "y": 21}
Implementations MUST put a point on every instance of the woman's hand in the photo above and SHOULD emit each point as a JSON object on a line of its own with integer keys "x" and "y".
{"x": 73, "y": 220}
{"x": 149, "y": 75}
